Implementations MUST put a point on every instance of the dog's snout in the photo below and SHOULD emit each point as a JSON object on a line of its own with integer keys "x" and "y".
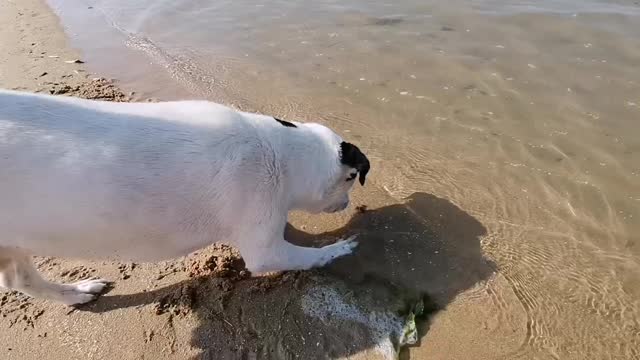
{"x": 341, "y": 207}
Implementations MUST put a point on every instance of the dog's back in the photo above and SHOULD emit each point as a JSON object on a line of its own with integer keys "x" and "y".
{"x": 95, "y": 179}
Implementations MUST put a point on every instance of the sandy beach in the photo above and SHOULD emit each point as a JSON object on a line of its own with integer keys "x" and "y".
{"x": 205, "y": 306}
{"x": 498, "y": 217}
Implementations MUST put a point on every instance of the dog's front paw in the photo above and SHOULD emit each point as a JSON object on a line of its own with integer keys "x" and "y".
{"x": 341, "y": 248}
{"x": 348, "y": 244}
{"x": 83, "y": 291}
{"x": 91, "y": 286}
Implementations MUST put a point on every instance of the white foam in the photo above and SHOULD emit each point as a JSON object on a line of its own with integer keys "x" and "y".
{"x": 326, "y": 304}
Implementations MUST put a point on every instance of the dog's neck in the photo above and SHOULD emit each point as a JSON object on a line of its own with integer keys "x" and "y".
{"x": 309, "y": 162}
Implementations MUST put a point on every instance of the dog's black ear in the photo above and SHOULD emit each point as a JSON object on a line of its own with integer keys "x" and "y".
{"x": 351, "y": 156}
{"x": 285, "y": 123}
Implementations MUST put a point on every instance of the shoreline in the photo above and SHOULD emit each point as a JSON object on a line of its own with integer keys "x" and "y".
{"x": 37, "y": 56}
{"x": 198, "y": 306}
{"x": 201, "y": 306}
{"x": 494, "y": 140}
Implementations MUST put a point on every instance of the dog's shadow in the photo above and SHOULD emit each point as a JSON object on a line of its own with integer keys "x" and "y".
{"x": 427, "y": 246}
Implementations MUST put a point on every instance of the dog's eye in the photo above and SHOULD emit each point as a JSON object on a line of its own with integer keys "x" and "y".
{"x": 352, "y": 176}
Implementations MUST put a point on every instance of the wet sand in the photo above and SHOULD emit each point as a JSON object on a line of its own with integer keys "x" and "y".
{"x": 503, "y": 191}
{"x": 205, "y": 306}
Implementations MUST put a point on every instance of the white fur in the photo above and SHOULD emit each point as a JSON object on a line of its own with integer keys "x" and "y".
{"x": 152, "y": 181}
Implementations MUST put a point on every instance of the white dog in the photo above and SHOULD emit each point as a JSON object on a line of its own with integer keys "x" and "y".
{"x": 152, "y": 181}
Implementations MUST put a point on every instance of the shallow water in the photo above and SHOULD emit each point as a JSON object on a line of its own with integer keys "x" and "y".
{"x": 523, "y": 114}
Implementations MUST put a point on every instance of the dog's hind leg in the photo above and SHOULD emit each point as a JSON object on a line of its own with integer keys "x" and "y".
{"x": 280, "y": 255}
{"x": 18, "y": 273}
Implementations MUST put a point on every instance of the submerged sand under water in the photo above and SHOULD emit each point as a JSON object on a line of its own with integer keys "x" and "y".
{"x": 509, "y": 129}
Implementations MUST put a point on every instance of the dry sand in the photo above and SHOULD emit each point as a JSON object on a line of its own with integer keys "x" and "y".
{"x": 207, "y": 306}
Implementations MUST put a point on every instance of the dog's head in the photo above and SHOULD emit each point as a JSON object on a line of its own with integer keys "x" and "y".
{"x": 335, "y": 165}
{"x": 353, "y": 164}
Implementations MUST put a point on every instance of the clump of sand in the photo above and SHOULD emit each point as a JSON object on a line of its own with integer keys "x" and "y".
{"x": 96, "y": 89}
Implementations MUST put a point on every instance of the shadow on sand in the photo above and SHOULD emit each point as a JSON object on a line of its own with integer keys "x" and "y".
{"x": 426, "y": 247}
